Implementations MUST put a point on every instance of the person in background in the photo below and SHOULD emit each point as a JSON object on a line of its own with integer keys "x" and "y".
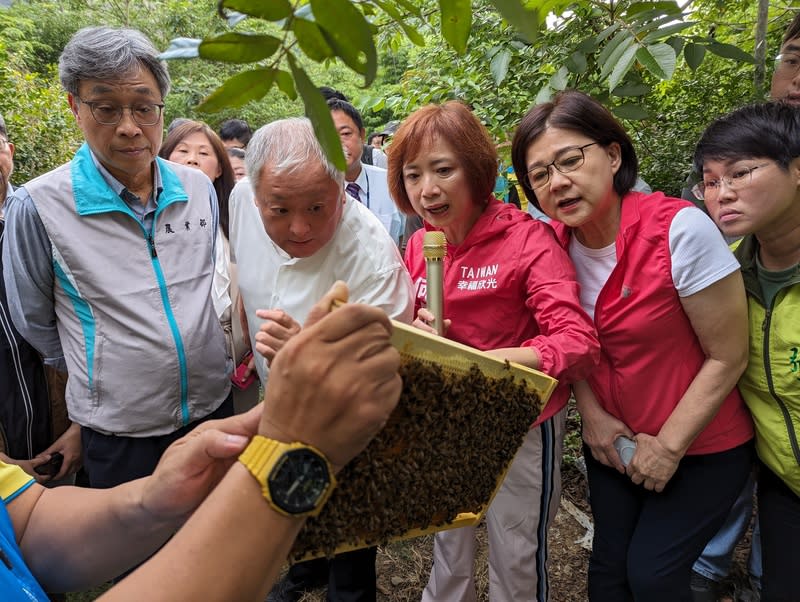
{"x": 714, "y": 563}
{"x": 750, "y": 162}
{"x": 335, "y": 386}
{"x": 668, "y": 302}
{"x": 33, "y": 415}
{"x": 375, "y": 140}
{"x": 365, "y": 183}
{"x": 235, "y": 133}
{"x": 196, "y": 145}
{"x": 510, "y": 290}
{"x": 294, "y": 232}
{"x": 7, "y": 149}
{"x": 108, "y": 262}
{"x": 369, "y": 154}
{"x": 236, "y": 157}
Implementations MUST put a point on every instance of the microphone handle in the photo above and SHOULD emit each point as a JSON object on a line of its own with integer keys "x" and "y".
{"x": 435, "y": 296}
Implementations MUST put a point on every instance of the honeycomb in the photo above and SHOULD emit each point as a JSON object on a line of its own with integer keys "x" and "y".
{"x": 441, "y": 453}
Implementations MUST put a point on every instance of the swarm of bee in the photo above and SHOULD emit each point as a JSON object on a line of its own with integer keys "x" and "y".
{"x": 440, "y": 454}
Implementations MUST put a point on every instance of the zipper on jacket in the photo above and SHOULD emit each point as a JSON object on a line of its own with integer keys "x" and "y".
{"x": 151, "y": 244}
{"x": 173, "y": 323}
{"x": 770, "y": 385}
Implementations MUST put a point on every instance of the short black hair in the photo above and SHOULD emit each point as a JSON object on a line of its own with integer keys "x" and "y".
{"x": 793, "y": 31}
{"x": 579, "y": 112}
{"x": 330, "y": 93}
{"x": 336, "y": 104}
{"x": 235, "y": 129}
{"x": 770, "y": 130}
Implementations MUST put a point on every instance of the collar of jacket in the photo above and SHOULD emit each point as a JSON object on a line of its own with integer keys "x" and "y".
{"x": 93, "y": 195}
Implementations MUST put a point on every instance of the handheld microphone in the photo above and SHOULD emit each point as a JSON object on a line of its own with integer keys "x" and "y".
{"x": 434, "y": 248}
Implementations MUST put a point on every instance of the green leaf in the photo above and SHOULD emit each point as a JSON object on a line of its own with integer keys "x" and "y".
{"x": 729, "y": 51}
{"x": 587, "y": 46}
{"x": 612, "y": 51}
{"x": 630, "y": 111}
{"x": 611, "y": 54}
{"x": 285, "y": 83}
{"x": 576, "y": 62}
{"x": 239, "y": 47}
{"x": 631, "y": 89}
{"x": 622, "y": 66}
{"x": 456, "y": 23}
{"x": 412, "y": 34}
{"x": 499, "y": 66}
{"x": 659, "y": 59}
{"x": 311, "y": 40}
{"x": 525, "y": 21}
{"x": 544, "y": 95}
{"x": 320, "y": 115}
{"x": 559, "y": 79}
{"x": 272, "y": 10}
{"x": 239, "y": 90}
{"x": 181, "y": 48}
{"x": 604, "y": 34}
{"x": 677, "y": 44}
{"x": 694, "y": 53}
{"x": 665, "y": 32}
{"x": 349, "y": 34}
{"x": 378, "y": 105}
{"x": 411, "y": 7}
{"x": 665, "y": 7}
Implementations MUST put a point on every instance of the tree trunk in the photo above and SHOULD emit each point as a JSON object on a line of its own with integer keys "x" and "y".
{"x": 759, "y": 76}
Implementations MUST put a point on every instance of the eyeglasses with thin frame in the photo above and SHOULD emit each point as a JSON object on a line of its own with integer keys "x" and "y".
{"x": 569, "y": 160}
{"x": 741, "y": 177}
{"x": 108, "y": 113}
{"x": 787, "y": 64}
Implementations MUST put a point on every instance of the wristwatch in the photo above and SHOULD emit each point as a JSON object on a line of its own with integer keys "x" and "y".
{"x": 296, "y": 479}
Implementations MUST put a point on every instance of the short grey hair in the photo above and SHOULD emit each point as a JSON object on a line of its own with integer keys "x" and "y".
{"x": 287, "y": 146}
{"x": 3, "y": 130}
{"x": 109, "y": 53}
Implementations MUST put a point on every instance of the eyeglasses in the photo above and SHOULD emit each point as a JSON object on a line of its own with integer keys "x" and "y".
{"x": 106, "y": 113}
{"x": 787, "y": 64}
{"x": 570, "y": 160}
{"x": 740, "y": 178}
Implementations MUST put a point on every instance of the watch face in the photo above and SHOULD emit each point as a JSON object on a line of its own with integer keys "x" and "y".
{"x": 298, "y": 481}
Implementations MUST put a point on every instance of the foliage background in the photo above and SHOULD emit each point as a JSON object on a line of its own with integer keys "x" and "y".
{"x": 500, "y": 75}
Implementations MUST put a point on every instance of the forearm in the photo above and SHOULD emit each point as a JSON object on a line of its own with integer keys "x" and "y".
{"x": 78, "y": 538}
{"x": 527, "y": 356}
{"x": 240, "y": 527}
{"x": 699, "y": 404}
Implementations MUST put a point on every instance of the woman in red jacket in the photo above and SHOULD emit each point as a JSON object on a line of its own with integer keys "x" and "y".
{"x": 509, "y": 289}
{"x": 668, "y": 302}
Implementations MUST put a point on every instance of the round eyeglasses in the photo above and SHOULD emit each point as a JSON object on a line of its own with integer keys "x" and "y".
{"x": 787, "y": 64}
{"x": 741, "y": 177}
{"x": 568, "y": 160}
{"x": 107, "y": 113}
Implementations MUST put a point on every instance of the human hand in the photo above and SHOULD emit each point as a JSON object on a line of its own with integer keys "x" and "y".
{"x": 600, "y": 429}
{"x": 424, "y": 320}
{"x": 69, "y": 445}
{"x": 652, "y": 465}
{"x": 192, "y": 466}
{"x": 277, "y": 328}
{"x": 335, "y": 383}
